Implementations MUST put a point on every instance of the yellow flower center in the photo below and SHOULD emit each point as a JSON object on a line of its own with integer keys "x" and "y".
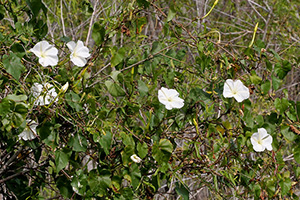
{"x": 259, "y": 141}
{"x": 43, "y": 55}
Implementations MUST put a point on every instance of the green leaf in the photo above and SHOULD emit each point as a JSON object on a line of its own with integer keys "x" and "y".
{"x": 156, "y": 47}
{"x": 126, "y": 154}
{"x": 2, "y": 12}
{"x": 17, "y": 48}
{"x": 105, "y": 142}
{"x": 12, "y": 64}
{"x": 142, "y": 150}
{"x": 289, "y": 135}
{"x": 127, "y": 139}
{"x": 117, "y": 56}
{"x": 254, "y": 78}
{"x": 64, "y": 186}
{"x": 135, "y": 175}
{"x": 162, "y": 151}
{"x": 285, "y": 185}
{"x": 297, "y": 154}
{"x": 14, "y": 97}
{"x": 18, "y": 119}
{"x": 142, "y": 87}
{"x": 98, "y": 33}
{"x": 35, "y": 7}
{"x": 143, "y": 3}
{"x": 271, "y": 183}
{"x": 248, "y": 119}
{"x": 198, "y": 94}
{"x": 169, "y": 78}
{"x": 21, "y": 108}
{"x": 265, "y": 87}
{"x": 259, "y": 120}
{"x": 281, "y": 105}
{"x": 73, "y": 100}
{"x": 298, "y": 109}
{"x": 61, "y": 160}
{"x": 78, "y": 143}
{"x": 114, "y": 89}
{"x": 48, "y": 135}
{"x": 171, "y": 14}
{"x": 99, "y": 183}
{"x": 281, "y": 69}
{"x": 114, "y": 75}
{"x": 257, "y": 190}
{"x": 166, "y": 145}
{"x": 4, "y": 107}
{"x": 182, "y": 190}
{"x": 65, "y": 39}
{"x": 275, "y": 82}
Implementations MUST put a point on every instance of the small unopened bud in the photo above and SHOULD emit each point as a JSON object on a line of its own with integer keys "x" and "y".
{"x": 263, "y": 50}
{"x": 64, "y": 88}
{"x": 135, "y": 158}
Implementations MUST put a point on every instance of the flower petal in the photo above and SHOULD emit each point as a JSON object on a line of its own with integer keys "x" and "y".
{"x": 29, "y": 133}
{"x": 177, "y": 102}
{"x": 49, "y": 60}
{"x": 242, "y": 91}
{"x": 228, "y": 87}
{"x": 71, "y": 45}
{"x": 83, "y": 52}
{"x": 51, "y": 51}
{"x": 78, "y": 61}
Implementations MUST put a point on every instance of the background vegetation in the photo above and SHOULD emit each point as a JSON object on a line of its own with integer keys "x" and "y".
{"x": 111, "y": 110}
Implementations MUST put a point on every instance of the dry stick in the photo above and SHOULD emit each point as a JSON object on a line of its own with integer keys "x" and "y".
{"x": 149, "y": 57}
{"x": 103, "y": 68}
{"x": 62, "y": 18}
{"x": 257, "y": 11}
{"x": 3, "y": 168}
{"x": 267, "y": 25}
{"x": 91, "y": 24}
{"x": 14, "y": 175}
{"x": 173, "y": 20}
{"x": 136, "y": 64}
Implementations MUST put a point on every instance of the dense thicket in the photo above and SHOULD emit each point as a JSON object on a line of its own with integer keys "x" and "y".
{"x": 96, "y": 121}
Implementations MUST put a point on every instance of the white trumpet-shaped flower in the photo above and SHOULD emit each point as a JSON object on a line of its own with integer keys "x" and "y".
{"x": 79, "y": 53}
{"x": 170, "y": 98}
{"x": 135, "y": 158}
{"x": 235, "y": 89}
{"x": 43, "y": 94}
{"x": 29, "y": 133}
{"x": 46, "y": 53}
{"x": 261, "y": 140}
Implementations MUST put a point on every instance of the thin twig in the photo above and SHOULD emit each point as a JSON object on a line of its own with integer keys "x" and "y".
{"x": 13, "y": 176}
{"x": 62, "y": 18}
{"x": 91, "y": 24}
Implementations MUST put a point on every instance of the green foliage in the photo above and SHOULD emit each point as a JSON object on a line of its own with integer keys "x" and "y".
{"x": 12, "y": 64}
{"x": 85, "y": 138}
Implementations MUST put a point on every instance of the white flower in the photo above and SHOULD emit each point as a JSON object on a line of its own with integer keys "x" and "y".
{"x": 261, "y": 140}
{"x": 43, "y": 94}
{"x": 46, "y": 53}
{"x": 135, "y": 158}
{"x": 29, "y": 133}
{"x": 170, "y": 98}
{"x": 235, "y": 89}
{"x": 79, "y": 53}
{"x": 64, "y": 87}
